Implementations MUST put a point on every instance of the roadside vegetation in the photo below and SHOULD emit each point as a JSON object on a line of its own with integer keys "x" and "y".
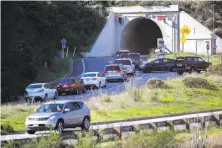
{"x": 158, "y": 97}
{"x": 32, "y": 33}
{"x": 210, "y": 138}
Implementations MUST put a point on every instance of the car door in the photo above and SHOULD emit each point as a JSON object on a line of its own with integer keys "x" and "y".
{"x": 101, "y": 79}
{"x": 68, "y": 117}
{"x": 48, "y": 90}
{"x": 52, "y": 90}
{"x": 157, "y": 65}
{"x": 77, "y": 113}
{"x": 201, "y": 65}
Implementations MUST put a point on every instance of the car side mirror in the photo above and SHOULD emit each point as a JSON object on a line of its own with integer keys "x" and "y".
{"x": 66, "y": 110}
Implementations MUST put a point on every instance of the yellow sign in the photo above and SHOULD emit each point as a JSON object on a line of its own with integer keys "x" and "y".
{"x": 140, "y": 14}
{"x": 183, "y": 40}
{"x": 185, "y": 30}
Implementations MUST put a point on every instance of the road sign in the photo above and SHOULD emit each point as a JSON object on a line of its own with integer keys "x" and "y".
{"x": 63, "y": 41}
{"x": 160, "y": 42}
{"x": 185, "y": 30}
{"x": 207, "y": 46}
{"x": 183, "y": 40}
{"x": 64, "y": 46}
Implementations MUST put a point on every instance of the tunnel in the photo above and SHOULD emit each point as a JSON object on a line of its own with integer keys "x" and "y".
{"x": 140, "y": 35}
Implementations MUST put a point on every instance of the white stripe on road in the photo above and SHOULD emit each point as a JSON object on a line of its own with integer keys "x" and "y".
{"x": 84, "y": 68}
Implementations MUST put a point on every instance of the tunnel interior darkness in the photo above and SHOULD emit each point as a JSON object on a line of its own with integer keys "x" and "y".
{"x": 140, "y": 35}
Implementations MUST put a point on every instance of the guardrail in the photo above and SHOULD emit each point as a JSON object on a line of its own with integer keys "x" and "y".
{"x": 177, "y": 122}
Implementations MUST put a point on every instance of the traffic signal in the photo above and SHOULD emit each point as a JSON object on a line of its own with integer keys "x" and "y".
{"x": 120, "y": 19}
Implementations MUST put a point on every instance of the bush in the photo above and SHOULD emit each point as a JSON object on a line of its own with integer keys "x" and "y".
{"x": 6, "y": 128}
{"x": 157, "y": 83}
{"x": 215, "y": 70}
{"x": 106, "y": 98}
{"x": 192, "y": 82}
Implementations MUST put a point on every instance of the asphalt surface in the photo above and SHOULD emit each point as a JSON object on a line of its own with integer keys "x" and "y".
{"x": 97, "y": 65}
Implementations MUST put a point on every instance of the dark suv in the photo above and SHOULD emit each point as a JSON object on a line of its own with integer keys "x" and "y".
{"x": 136, "y": 58}
{"x": 190, "y": 64}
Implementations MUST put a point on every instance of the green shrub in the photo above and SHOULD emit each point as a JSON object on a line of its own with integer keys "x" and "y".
{"x": 106, "y": 98}
{"x": 166, "y": 100}
{"x": 85, "y": 141}
{"x": 157, "y": 83}
{"x": 136, "y": 94}
{"x": 6, "y": 128}
{"x": 215, "y": 70}
{"x": 192, "y": 82}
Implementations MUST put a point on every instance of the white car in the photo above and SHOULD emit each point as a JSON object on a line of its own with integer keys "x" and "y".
{"x": 115, "y": 72}
{"x": 128, "y": 65}
{"x": 94, "y": 79}
{"x": 40, "y": 91}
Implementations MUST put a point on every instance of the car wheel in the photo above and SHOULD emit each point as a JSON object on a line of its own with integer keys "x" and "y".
{"x": 45, "y": 98}
{"x": 192, "y": 70}
{"x": 83, "y": 90}
{"x": 30, "y": 132}
{"x": 60, "y": 126}
{"x": 179, "y": 72}
{"x": 77, "y": 91}
{"x": 171, "y": 69}
{"x": 104, "y": 85}
{"x": 55, "y": 96}
{"x": 85, "y": 124}
{"x": 99, "y": 85}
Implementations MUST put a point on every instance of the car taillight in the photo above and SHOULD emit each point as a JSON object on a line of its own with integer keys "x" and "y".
{"x": 105, "y": 71}
{"x": 118, "y": 70}
{"x": 73, "y": 85}
{"x": 94, "y": 78}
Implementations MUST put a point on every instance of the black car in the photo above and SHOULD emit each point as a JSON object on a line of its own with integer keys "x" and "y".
{"x": 136, "y": 58}
{"x": 189, "y": 64}
{"x": 122, "y": 54}
{"x": 164, "y": 64}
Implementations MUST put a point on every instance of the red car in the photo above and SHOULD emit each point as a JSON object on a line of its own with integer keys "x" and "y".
{"x": 70, "y": 85}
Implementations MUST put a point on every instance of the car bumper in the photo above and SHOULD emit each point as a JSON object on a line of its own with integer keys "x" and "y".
{"x": 114, "y": 77}
{"x": 35, "y": 95}
{"x": 61, "y": 90}
{"x": 89, "y": 84}
{"x": 40, "y": 125}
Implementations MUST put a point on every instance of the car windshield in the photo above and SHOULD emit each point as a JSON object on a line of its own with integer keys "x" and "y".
{"x": 122, "y": 55}
{"x": 35, "y": 86}
{"x": 47, "y": 108}
{"x": 65, "y": 80}
{"x": 124, "y": 62}
{"x": 110, "y": 68}
{"x": 134, "y": 56}
{"x": 89, "y": 75}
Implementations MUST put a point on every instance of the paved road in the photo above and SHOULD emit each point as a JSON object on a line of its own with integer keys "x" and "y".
{"x": 97, "y": 65}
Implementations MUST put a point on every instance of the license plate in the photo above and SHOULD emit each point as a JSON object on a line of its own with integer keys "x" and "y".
{"x": 111, "y": 73}
{"x": 35, "y": 125}
{"x": 66, "y": 89}
{"x": 179, "y": 65}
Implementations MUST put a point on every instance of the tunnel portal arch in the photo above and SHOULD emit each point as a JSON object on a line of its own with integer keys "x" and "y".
{"x": 140, "y": 35}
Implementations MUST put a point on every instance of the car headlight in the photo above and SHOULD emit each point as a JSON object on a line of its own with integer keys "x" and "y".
{"x": 52, "y": 118}
{"x": 41, "y": 90}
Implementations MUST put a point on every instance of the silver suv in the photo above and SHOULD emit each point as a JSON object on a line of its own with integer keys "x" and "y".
{"x": 58, "y": 115}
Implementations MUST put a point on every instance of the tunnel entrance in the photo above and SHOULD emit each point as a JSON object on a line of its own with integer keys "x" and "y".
{"x": 140, "y": 35}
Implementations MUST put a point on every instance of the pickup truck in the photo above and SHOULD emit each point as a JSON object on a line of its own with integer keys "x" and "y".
{"x": 190, "y": 64}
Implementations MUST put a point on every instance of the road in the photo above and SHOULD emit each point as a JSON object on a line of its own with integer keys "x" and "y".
{"x": 97, "y": 65}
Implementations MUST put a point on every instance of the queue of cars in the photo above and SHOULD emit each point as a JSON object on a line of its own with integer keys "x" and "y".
{"x": 180, "y": 65}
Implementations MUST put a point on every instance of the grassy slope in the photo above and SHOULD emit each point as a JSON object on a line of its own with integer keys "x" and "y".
{"x": 59, "y": 69}
{"x": 160, "y": 101}
{"x": 154, "y": 102}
